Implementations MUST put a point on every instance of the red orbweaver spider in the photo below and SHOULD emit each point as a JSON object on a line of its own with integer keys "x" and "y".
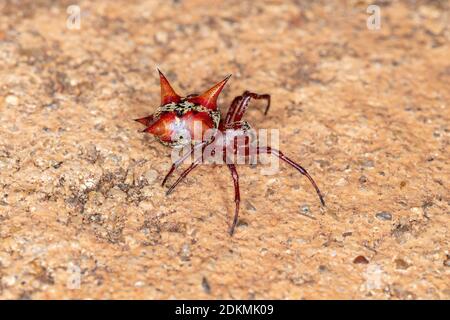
{"x": 177, "y": 115}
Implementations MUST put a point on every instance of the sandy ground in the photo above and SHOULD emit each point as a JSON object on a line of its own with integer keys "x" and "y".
{"x": 82, "y": 212}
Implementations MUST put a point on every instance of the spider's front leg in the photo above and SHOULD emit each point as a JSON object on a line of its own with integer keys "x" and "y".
{"x": 240, "y": 105}
{"x": 194, "y": 164}
{"x": 184, "y": 174}
{"x": 177, "y": 163}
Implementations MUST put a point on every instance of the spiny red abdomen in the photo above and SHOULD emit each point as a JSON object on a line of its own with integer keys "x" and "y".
{"x": 179, "y": 120}
{"x": 176, "y": 124}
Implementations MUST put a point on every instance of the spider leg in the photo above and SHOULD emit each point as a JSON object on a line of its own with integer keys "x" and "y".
{"x": 234, "y": 105}
{"x": 237, "y": 197}
{"x": 240, "y": 105}
{"x": 177, "y": 163}
{"x": 302, "y": 170}
{"x": 238, "y": 125}
{"x": 257, "y": 96}
{"x": 184, "y": 174}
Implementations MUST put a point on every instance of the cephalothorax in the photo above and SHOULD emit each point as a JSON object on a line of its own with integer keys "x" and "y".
{"x": 178, "y": 120}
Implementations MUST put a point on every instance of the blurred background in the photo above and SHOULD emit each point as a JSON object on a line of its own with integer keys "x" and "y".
{"x": 359, "y": 93}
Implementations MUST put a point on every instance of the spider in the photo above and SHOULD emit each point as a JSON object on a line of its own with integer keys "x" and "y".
{"x": 177, "y": 115}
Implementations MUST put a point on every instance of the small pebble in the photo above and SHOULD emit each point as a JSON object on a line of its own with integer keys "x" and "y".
{"x": 9, "y": 281}
{"x": 384, "y": 215}
{"x": 89, "y": 184}
{"x": 362, "y": 179}
{"x": 185, "y": 252}
{"x": 161, "y": 37}
{"x": 447, "y": 261}
{"x": 52, "y": 106}
{"x": 12, "y": 100}
{"x": 242, "y": 224}
{"x": 416, "y": 210}
{"x": 305, "y": 211}
{"x": 341, "y": 182}
{"x": 57, "y": 164}
{"x": 361, "y": 260}
{"x": 249, "y": 206}
{"x": 151, "y": 176}
{"x": 304, "y": 208}
{"x": 323, "y": 268}
{"x": 347, "y": 234}
{"x": 91, "y": 153}
{"x": 367, "y": 164}
{"x": 401, "y": 264}
{"x": 205, "y": 285}
{"x": 146, "y": 205}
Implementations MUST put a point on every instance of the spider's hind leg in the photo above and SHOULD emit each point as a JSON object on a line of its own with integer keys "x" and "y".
{"x": 237, "y": 197}
{"x": 298, "y": 167}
